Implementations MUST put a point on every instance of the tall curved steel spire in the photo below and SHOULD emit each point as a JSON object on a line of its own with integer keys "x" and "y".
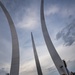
{"x": 54, "y": 55}
{"x": 36, "y": 57}
{"x": 15, "y": 45}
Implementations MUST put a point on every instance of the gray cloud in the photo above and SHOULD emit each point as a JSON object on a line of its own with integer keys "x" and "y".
{"x": 67, "y": 34}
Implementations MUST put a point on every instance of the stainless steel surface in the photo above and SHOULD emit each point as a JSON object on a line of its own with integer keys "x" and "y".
{"x": 39, "y": 71}
{"x": 54, "y": 55}
{"x": 15, "y": 45}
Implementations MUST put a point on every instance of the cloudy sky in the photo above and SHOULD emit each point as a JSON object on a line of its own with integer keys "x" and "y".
{"x": 60, "y": 22}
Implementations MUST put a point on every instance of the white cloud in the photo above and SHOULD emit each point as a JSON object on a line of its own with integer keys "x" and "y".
{"x": 29, "y": 19}
{"x": 66, "y": 12}
{"x": 66, "y": 52}
{"x": 62, "y": 11}
{"x": 28, "y": 66}
{"x": 52, "y": 10}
